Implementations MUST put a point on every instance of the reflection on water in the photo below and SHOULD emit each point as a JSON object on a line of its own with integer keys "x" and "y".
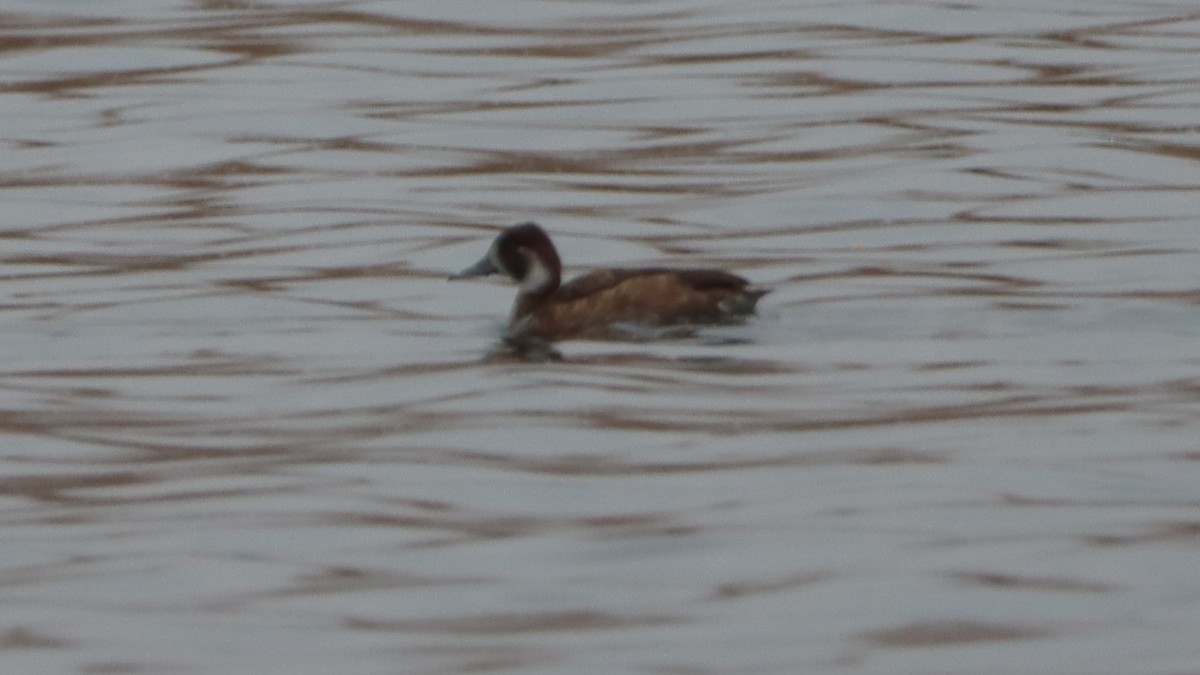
{"x": 248, "y": 427}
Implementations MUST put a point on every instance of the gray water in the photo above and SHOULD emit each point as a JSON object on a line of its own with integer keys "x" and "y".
{"x": 246, "y": 426}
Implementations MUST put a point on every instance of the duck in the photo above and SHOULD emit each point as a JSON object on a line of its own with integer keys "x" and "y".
{"x": 604, "y": 303}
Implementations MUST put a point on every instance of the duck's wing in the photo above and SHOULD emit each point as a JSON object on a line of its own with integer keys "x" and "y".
{"x": 593, "y": 303}
{"x": 711, "y": 280}
{"x": 737, "y": 295}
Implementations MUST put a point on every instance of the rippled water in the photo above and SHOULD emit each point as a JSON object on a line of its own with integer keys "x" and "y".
{"x": 247, "y": 426}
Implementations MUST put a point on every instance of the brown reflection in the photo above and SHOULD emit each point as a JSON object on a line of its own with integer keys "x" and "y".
{"x": 21, "y": 637}
{"x": 739, "y": 590}
{"x": 597, "y": 465}
{"x": 53, "y": 488}
{"x": 509, "y": 624}
{"x": 1036, "y": 583}
{"x": 945, "y": 633}
{"x": 743, "y": 422}
{"x": 1187, "y": 531}
{"x": 353, "y": 579}
{"x": 450, "y": 525}
{"x": 487, "y": 658}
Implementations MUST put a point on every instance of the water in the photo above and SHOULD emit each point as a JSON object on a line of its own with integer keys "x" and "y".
{"x": 248, "y": 427}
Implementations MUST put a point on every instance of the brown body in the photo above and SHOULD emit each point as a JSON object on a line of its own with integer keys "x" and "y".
{"x": 590, "y": 305}
{"x": 594, "y": 304}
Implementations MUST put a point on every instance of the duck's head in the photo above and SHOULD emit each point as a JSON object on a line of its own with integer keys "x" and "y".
{"x": 525, "y": 254}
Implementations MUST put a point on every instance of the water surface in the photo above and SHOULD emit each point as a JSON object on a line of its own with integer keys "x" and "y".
{"x": 246, "y": 426}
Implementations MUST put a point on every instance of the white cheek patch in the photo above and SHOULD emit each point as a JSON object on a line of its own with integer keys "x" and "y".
{"x": 537, "y": 277}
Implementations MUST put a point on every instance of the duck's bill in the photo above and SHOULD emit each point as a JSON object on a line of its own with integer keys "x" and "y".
{"x": 480, "y": 269}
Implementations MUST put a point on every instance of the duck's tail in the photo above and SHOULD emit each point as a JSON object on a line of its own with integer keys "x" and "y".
{"x": 744, "y": 301}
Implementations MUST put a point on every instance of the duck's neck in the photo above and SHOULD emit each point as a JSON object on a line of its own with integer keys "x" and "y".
{"x": 536, "y": 286}
{"x": 528, "y": 301}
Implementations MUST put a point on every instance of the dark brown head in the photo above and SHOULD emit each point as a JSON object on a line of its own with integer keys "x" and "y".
{"x": 525, "y": 254}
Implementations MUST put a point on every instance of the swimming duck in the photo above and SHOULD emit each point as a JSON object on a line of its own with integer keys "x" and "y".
{"x": 597, "y": 304}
